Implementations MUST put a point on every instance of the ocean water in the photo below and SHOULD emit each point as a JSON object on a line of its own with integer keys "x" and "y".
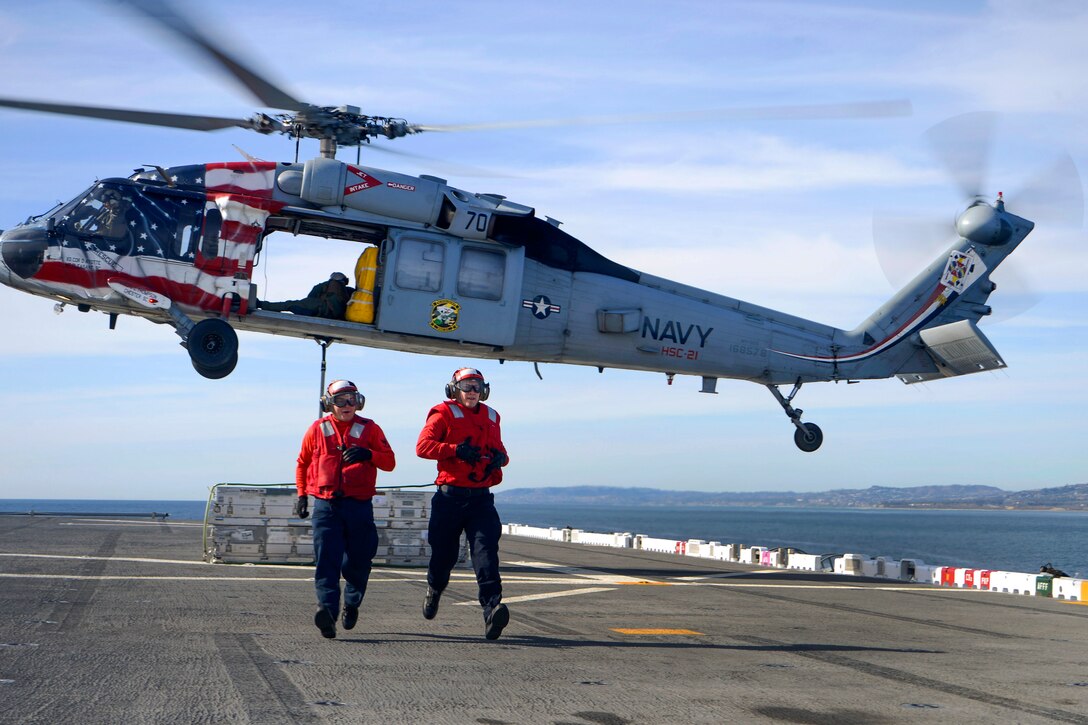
{"x": 1009, "y": 540}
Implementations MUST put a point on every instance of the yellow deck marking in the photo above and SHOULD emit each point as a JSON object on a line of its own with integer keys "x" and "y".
{"x": 648, "y": 583}
{"x": 623, "y": 630}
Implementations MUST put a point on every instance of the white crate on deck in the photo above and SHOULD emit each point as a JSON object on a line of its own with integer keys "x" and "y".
{"x": 253, "y": 502}
{"x": 256, "y": 524}
{"x": 402, "y": 498}
{"x": 402, "y": 537}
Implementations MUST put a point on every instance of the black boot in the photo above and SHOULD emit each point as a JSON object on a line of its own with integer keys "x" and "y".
{"x": 430, "y": 603}
{"x": 351, "y": 616}
{"x": 326, "y": 623}
{"x": 495, "y": 621}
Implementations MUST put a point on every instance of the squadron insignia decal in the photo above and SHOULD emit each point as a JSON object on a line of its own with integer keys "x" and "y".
{"x": 444, "y": 315}
{"x": 960, "y": 272}
{"x": 541, "y": 306}
{"x": 960, "y": 266}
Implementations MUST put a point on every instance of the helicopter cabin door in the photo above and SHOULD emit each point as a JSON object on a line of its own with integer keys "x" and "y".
{"x": 446, "y": 287}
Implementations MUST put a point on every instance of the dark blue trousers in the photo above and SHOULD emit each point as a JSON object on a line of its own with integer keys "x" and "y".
{"x": 345, "y": 541}
{"x": 477, "y": 518}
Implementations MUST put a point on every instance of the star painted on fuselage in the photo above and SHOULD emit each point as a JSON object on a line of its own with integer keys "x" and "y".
{"x": 541, "y": 306}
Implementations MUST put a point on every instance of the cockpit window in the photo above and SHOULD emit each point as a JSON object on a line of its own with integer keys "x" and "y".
{"x": 104, "y": 212}
{"x": 151, "y": 222}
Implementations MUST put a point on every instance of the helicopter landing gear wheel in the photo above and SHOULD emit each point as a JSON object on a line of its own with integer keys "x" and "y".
{"x": 808, "y": 437}
{"x": 219, "y": 372}
{"x": 213, "y": 348}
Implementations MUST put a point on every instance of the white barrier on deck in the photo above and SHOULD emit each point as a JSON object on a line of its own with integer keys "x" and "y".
{"x": 1075, "y": 590}
{"x": 805, "y": 562}
{"x": 914, "y": 570}
{"x": 621, "y": 541}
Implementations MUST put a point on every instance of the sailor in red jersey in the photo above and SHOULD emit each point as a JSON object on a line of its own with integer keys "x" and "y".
{"x": 338, "y": 465}
{"x": 462, "y": 435}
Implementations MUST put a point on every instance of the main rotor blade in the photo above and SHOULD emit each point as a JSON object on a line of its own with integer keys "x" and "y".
{"x": 263, "y": 89}
{"x": 444, "y": 167}
{"x": 963, "y": 145}
{"x": 150, "y": 118}
{"x": 872, "y": 109}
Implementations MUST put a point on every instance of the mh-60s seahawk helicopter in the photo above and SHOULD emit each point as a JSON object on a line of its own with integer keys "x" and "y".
{"x": 449, "y": 272}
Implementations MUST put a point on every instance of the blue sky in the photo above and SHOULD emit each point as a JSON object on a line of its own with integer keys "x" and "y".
{"x": 779, "y": 213}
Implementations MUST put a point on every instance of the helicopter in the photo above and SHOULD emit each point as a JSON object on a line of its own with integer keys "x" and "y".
{"x": 445, "y": 271}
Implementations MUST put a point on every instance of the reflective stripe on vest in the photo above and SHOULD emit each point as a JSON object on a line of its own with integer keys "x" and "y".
{"x": 455, "y": 409}
{"x": 329, "y": 431}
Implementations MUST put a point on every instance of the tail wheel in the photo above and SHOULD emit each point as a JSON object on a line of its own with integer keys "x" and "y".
{"x": 808, "y": 437}
{"x": 213, "y": 348}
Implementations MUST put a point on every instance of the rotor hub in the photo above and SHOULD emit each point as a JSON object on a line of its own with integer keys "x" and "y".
{"x": 984, "y": 224}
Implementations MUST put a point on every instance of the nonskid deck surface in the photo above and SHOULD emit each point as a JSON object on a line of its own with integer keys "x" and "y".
{"x": 120, "y": 621}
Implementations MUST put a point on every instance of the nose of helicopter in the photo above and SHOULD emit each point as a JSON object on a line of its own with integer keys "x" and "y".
{"x": 21, "y": 254}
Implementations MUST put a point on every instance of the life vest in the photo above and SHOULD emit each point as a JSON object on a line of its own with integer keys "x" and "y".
{"x": 483, "y": 427}
{"x": 329, "y": 476}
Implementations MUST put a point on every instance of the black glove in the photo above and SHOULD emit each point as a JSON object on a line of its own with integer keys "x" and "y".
{"x": 357, "y": 454}
{"x": 498, "y": 459}
{"x": 302, "y": 508}
{"x": 468, "y": 453}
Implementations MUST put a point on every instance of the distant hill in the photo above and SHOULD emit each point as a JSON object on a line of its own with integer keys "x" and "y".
{"x": 1074, "y": 497}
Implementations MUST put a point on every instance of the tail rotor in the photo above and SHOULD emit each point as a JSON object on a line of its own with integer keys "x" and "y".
{"x": 964, "y": 146}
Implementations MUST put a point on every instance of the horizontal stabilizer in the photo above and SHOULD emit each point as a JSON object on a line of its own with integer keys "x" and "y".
{"x": 958, "y": 348}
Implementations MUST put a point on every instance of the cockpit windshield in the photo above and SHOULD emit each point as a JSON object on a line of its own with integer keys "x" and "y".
{"x": 103, "y": 212}
{"x": 154, "y": 222}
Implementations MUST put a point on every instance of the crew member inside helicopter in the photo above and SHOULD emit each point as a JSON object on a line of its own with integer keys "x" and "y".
{"x": 327, "y": 299}
{"x": 102, "y": 213}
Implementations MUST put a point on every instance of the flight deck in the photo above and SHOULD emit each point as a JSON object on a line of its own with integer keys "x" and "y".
{"x": 107, "y": 621}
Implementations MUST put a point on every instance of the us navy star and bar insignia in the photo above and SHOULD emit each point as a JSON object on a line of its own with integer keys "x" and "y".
{"x": 541, "y": 306}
